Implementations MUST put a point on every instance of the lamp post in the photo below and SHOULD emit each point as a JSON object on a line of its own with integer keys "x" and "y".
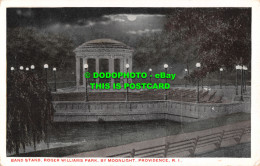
{"x": 12, "y": 71}
{"x": 86, "y": 95}
{"x": 127, "y": 67}
{"x": 150, "y": 70}
{"x": 165, "y": 67}
{"x": 237, "y": 68}
{"x": 54, "y": 73}
{"x": 241, "y": 95}
{"x": 46, "y": 66}
{"x": 207, "y": 77}
{"x": 245, "y": 69}
{"x": 202, "y": 82}
{"x": 32, "y": 67}
{"x": 221, "y": 70}
{"x": 186, "y": 71}
{"x": 198, "y": 87}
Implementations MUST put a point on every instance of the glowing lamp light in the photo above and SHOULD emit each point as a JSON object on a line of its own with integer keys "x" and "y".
{"x": 221, "y": 69}
{"x": 46, "y": 66}
{"x": 27, "y": 68}
{"x": 21, "y": 68}
{"x": 186, "y": 70}
{"x": 198, "y": 65}
{"x": 54, "y": 69}
{"x": 127, "y": 66}
{"x": 150, "y": 69}
{"x": 238, "y": 67}
{"x": 32, "y": 67}
{"x": 165, "y": 66}
{"x": 85, "y": 66}
{"x": 244, "y": 67}
{"x": 12, "y": 68}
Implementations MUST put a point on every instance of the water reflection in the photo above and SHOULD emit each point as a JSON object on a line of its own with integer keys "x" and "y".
{"x": 81, "y": 137}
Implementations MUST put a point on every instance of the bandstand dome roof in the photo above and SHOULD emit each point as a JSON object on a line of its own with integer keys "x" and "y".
{"x": 102, "y": 44}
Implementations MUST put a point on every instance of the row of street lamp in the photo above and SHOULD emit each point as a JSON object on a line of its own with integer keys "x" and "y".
{"x": 127, "y": 90}
{"x": 243, "y": 82}
{"x": 45, "y": 66}
{"x": 238, "y": 67}
{"x": 198, "y": 65}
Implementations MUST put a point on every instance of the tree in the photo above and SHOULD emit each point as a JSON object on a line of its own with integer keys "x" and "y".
{"x": 29, "y": 107}
{"x": 29, "y": 110}
{"x": 30, "y": 46}
{"x": 221, "y": 37}
{"x": 174, "y": 44}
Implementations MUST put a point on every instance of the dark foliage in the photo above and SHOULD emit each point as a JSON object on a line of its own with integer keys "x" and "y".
{"x": 216, "y": 37}
{"x": 222, "y": 36}
{"x": 26, "y": 47}
{"x": 29, "y": 110}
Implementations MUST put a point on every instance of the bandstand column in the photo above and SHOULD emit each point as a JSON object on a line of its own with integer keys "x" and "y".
{"x": 85, "y": 61}
{"x": 97, "y": 69}
{"x": 77, "y": 71}
{"x": 121, "y": 68}
{"x": 125, "y": 62}
{"x": 111, "y": 68}
{"x": 130, "y": 68}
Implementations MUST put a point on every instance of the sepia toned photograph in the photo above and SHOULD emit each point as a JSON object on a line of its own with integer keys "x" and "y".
{"x": 128, "y": 82}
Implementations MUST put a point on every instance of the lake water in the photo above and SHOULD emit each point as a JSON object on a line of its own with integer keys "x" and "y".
{"x": 71, "y": 138}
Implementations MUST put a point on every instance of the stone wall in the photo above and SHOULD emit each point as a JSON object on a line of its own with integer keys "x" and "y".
{"x": 78, "y": 111}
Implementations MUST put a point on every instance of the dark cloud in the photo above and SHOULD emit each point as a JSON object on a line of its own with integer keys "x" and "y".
{"x": 83, "y": 24}
{"x": 44, "y": 16}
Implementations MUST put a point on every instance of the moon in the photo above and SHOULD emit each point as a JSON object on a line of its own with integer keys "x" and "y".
{"x": 131, "y": 17}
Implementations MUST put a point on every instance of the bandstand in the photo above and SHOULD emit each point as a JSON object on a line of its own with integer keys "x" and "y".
{"x": 102, "y": 55}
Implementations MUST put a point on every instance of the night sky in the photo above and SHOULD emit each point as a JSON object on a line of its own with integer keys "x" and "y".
{"x": 83, "y": 24}
{"x": 127, "y": 25}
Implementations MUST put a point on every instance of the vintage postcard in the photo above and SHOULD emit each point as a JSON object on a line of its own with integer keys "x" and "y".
{"x": 117, "y": 83}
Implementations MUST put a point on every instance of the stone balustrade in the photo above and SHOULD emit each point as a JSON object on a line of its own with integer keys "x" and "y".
{"x": 79, "y": 111}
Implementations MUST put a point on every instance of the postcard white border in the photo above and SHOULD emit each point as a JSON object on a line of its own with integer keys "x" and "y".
{"x": 255, "y": 109}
